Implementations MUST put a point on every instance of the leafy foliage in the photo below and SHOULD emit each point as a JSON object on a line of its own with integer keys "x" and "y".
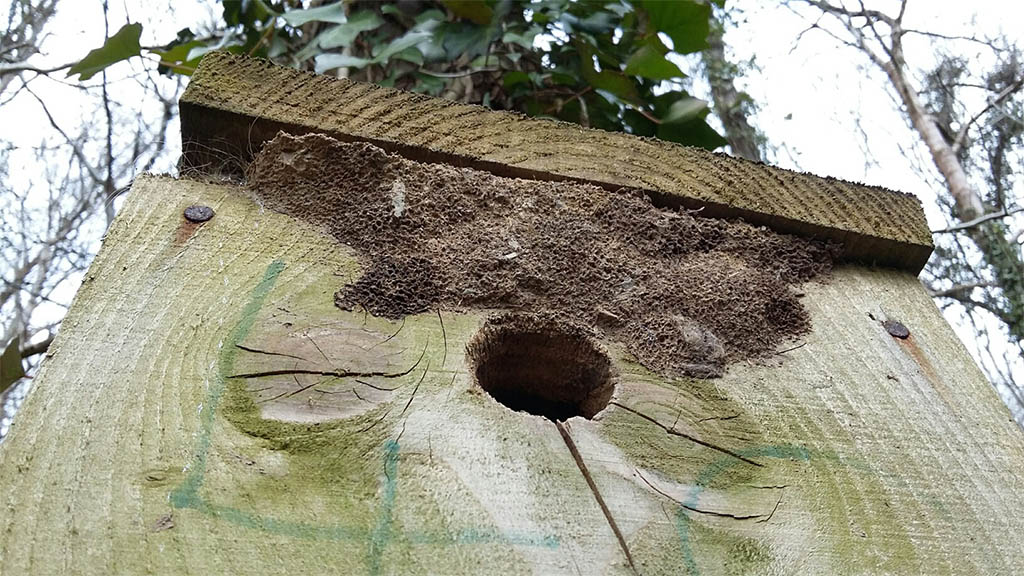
{"x": 599, "y": 64}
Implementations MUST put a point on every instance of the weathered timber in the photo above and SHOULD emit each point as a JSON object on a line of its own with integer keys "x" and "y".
{"x": 207, "y": 409}
{"x": 234, "y": 104}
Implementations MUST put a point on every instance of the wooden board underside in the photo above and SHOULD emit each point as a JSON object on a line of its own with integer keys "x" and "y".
{"x": 234, "y": 104}
{"x": 137, "y": 453}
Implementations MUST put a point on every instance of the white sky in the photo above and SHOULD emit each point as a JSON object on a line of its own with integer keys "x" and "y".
{"x": 813, "y": 92}
{"x": 810, "y": 93}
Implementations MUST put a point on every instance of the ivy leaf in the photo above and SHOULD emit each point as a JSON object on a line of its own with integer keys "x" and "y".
{"x": 402, "y": 43}
{"x": 685, "y": 22}
{"x": 650, "y": 62}
{"x": 174, "y": 56}
{"x": 610, "y": 81}
{"x": 226, "y": 43}
{"x": 344, "y": 34}
{"x": 463, "y": 38}
{"x": 331, "y": 13}
{"x": 684, "y": 110}
{"x": 410, "y": 55}
{"x": 693, "y": 133}
{"x": 514, "y": 77}
{"x": 476, "y": 11}
{"x": 596, "y": 23}
{"x": 124, "y": 44}
{"x": 11, "y": 368}
{"x": 524, "y": 39}
{"x": 246, "y": 13}
{"x": 325, "y": 62}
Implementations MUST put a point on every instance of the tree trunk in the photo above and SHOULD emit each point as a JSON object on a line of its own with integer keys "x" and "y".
{"x": 729, "y": 104}
{"x": 1000, "y": 253}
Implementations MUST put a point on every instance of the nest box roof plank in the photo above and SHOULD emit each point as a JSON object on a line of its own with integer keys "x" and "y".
{"x": 234, "y": 104}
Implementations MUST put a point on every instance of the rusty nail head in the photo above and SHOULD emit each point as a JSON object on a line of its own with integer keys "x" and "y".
{"x": 198, "y": 213}
{"x": 896, "y": 329}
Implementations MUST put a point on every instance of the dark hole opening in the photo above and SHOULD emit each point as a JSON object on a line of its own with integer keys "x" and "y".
{"x": 542, "y": 367}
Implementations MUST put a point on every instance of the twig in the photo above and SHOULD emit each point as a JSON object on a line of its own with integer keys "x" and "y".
{"x": 979, "y": 220}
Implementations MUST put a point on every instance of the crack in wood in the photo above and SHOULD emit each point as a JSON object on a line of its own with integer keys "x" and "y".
{"x": 719, "y": 418}
{"x": 317, "y": 346}
{"x": 765, "y": 517}
{"x": 597, "y": 493}
{"x": 335, "y": 373}
{"x": 695, "y": 440}
{"x": 444, "y": 335}
{"x": 415, "y": 390}
{"x": 269, "y": 352}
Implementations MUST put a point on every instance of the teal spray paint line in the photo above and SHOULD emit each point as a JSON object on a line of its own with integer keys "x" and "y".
{"x": 188, "y": 494}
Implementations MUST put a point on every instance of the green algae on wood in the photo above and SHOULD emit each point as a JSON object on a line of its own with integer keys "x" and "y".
{"x": 885, "y": 461}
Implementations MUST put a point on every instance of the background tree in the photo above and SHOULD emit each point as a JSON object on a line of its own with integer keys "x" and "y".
{"x": 970, "y": 121}
{"x": 57, "y": 197}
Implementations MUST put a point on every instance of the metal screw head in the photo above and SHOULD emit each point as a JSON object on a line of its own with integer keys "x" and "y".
{"x": 198, "y": 213}
{"x": 896, "y": 329}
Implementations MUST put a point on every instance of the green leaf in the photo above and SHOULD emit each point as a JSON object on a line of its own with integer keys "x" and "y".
{"x": 693, "y": 133}
{"x": 684, "y": 110}
{"x": 638, "y": 124}
{"x": 246, "y": 13}
{"x": 596, "y": 23}
{"x": 404, "y": 42}
{"x": 344, "y": 34}
{"x": 176, "y": 58}
{"x": 428, "y": 84}
{"x": 330, "y": 13}
{"x": 226, "y": 43}
{"x": 177, "y": 53}
{"x": 649, "y": 62}
{"x": 11, "y": 368}
{"x": 476, "y": 11}
{"x": 433, "y": 15}
{"x": 390, "y": 9}
{"x": 685, "y": 22}
{"x": 524, "y": 39}
{"x": 325, "y": 62}
{"x": 121, "y": 46}
{"x": 463, "y": 38}
{"x": 410, "y": 55}
{"x": 619, "y": 9}
{"x": 610, "y": 81}
{"x": 515, "y": 77}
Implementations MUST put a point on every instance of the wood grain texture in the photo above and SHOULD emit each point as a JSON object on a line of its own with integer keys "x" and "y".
{"x": 234, "y": 104}
{"x": 147, "y": 444}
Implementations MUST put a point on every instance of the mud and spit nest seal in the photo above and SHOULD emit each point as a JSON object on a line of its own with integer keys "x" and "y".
{"x": 685, "y": 295}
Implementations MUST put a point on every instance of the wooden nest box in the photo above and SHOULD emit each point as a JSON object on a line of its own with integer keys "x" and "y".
{"x": 371, "y": 332}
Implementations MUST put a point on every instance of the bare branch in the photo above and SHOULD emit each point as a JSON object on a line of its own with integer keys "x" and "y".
{"x": 958, "y": 289}
{"x": 958, "y": 140}
{"x": 979, "y": 220}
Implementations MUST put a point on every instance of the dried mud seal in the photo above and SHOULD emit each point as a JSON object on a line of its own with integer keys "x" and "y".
{"x": 684, "y": 294}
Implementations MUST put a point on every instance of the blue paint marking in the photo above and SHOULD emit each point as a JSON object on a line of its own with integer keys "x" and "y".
{"x": 187, "y": 495}
{"x": 382, "y": 533}
{"x": 708, "y": 475}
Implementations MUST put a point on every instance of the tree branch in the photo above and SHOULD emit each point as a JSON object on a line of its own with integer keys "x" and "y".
{"x": 979, "y": 220}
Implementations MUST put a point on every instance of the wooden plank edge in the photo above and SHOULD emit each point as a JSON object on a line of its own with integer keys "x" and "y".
{"x": 218, "y": 140}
